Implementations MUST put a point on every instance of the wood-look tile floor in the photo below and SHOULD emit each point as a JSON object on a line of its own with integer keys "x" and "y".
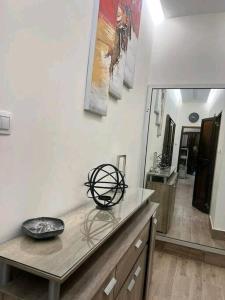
{"x": 188, "y": 223}
{"x": 180, "y": 278}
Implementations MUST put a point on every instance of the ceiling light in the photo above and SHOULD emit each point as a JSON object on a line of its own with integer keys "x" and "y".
{"x": 156, "y": 11}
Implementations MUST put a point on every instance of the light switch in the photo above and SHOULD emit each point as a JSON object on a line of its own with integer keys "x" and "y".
{"x": 5, "y": 122}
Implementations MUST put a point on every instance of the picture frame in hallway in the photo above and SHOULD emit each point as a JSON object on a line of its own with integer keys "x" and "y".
{"x": 157, "y": 102}
{"x": 156, "y": 108}
{"x": 159, "y": 108}
{"x": 162, "y": 110}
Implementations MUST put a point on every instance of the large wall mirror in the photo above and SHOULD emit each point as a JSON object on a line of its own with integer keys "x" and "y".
{"x": 185, "y": 164}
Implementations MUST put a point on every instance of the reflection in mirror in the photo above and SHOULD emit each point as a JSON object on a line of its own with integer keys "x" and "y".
{"x": 185, "y": 164}
{"x": 96, "y": 223}
{"x": 168, "y": 141}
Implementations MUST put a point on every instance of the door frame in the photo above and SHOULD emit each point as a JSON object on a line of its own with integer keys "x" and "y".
{"x": 147, "y": 115}
{"x": 182, "y": 131}
{"x": 213, "y": 160}
{"x": 168, "y": 119}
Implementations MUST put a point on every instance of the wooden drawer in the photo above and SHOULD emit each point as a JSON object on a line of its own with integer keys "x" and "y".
{"x": 127, "y": 262}
{"x": 150, "y": 255}
{"x": 106, "y": 292}
{"x": 134, "y": 286}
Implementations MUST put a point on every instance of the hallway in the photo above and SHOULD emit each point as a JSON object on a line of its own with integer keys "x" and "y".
{"x": 188, "y": 223}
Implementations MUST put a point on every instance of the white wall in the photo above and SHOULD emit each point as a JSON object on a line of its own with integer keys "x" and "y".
{"x": 189, "y": 50}
{"x": 217, "y": 210}
{"x": 54, "y": 143}
{"x": 155, "y": 143}
{"x": 179, "y": 112}
{"x": 183, "y": 120}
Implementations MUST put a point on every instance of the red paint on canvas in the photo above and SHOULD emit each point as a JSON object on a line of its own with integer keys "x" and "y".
{"x": 136, "y": 6}
{"x": 108, "y": 10}
{"x": 133, "y": 11}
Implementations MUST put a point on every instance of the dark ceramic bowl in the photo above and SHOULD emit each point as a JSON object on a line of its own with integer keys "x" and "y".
{"x": 43, "y": 228}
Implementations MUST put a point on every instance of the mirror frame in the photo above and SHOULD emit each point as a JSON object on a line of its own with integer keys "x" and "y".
{"x": 145, "y": 139}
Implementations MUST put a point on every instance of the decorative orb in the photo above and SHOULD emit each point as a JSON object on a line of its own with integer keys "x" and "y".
{"x": 106, "y": 186}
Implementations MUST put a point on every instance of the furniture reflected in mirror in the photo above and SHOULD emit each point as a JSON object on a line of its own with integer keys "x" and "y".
{"x": 188, "y": 153}
{"x": 164, "y": 184}
{"x": 191, "y": 149}
{"x": 162, "y": 178}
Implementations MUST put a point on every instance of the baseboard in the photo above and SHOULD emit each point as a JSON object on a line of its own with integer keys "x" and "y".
{"x": 215, "y": 233}
{"x": 180, "y": 250}
{"x": 161, "y": 237}
{"x": 191, "y": 253}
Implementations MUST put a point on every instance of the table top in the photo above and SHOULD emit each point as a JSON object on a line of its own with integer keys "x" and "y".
{"x": 165, "y": 173}
{"x": 86, "y": 229}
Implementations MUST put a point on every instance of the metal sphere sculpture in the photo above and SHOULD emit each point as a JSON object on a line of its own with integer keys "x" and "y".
{"x": 106, "y": 186}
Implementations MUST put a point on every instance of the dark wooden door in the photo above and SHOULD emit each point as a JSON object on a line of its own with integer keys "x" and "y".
{"x": 168, "y": 142}
{"x": 206, "y": 163}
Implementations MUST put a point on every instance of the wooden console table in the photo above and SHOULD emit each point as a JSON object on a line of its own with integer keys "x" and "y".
{"x": 101, "y": 255}
{"x": 164, "y": 174}
{"x": 164, "y": 184}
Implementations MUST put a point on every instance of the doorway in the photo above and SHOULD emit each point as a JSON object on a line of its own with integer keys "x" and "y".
{"x": 168, "y": 142}
{"x": 188, "y": 152}
{"x": 206, "y": 161}
{"x": 197, "y": 159}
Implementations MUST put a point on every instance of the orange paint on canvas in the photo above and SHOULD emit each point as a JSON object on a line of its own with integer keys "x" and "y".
{"x": 105, "y": 38}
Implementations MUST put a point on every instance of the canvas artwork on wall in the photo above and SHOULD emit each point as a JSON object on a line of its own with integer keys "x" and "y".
{"x": 102, "y": 42}
{"x": 119, "y": 51}
{"x": 112, "y": 51}
{"x": 133, "y": 35}
{"x": 160, "y": 102}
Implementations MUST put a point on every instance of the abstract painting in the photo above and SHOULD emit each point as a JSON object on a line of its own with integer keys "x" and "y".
{"x": 112, "y": 52}
{"x": 118, "y": 58}
{"x": 103, "y": 37}
{"x": 159, "y": 109}
{"x": 134, "y": 15}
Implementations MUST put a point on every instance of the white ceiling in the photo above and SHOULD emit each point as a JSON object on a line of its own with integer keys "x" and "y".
{"x": 195, "y": 95}
{"x": 178, "y": 8}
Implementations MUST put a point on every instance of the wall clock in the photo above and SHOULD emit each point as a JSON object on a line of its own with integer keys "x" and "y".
{"x": 194, "y": 117}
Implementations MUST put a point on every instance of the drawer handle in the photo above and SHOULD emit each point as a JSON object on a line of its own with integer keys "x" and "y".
{"x": 138, "y": 244}
{"x": 131, "y": 285}
{"x": 110, "y": 286}
{"x": 137, "y": 272}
